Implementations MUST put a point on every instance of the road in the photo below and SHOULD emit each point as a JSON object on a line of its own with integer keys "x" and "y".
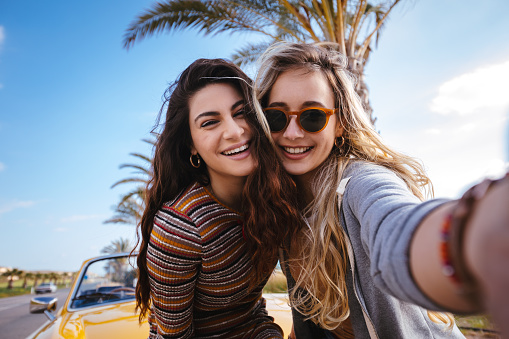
{"x": 16, "y": 322}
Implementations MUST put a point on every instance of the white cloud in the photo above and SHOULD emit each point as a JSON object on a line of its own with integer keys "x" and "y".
{"x": 15, "y": 205}
{"x": 469, "y": 138}
{"x": 469, "y": 127}
{"x": 484, "y": 88}
{"x": 76, "y": 218}
{"x": 2, "y": 166}
{"x": 61, "y": 229}
{"x": 433, "y": 131}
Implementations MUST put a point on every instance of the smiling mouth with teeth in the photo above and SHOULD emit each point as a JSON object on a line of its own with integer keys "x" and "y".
{"x": 236, "y": 150}
{"x": 297, "y": 150}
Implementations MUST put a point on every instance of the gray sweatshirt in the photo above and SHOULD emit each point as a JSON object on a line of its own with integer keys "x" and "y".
{"x": 380, "y": 215}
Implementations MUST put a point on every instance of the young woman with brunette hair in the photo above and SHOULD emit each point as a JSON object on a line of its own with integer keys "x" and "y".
{"x": 371, "y": 250}
{"x": 206, "y": 250}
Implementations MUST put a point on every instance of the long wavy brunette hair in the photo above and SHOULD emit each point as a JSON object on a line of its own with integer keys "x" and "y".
{"x": 268, "y": 188}
{"x": 322, "y": 256}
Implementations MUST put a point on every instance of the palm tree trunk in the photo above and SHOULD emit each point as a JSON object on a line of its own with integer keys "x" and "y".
{"x": 357, "y": 68}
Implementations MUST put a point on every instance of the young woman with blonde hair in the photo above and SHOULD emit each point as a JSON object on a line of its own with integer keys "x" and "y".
{"x": 372, "y": 249}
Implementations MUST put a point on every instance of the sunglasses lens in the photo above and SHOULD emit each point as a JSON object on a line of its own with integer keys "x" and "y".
{"x": 276, "y": 119}
{"x": 313, "y": 120}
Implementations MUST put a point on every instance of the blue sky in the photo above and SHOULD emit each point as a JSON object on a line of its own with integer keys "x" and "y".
{"x": 74, "y": 104}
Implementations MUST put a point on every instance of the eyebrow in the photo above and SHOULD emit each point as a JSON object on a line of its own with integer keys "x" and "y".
{"x": 214, "y": 113}
{"x": 310, "y": 103}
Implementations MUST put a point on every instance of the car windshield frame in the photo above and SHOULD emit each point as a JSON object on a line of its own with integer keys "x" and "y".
{"x": 71, "y": 307}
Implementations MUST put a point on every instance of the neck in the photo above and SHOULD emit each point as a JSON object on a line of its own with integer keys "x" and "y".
{"x": 303, "y": 183}
{"x": 229, "y": 192}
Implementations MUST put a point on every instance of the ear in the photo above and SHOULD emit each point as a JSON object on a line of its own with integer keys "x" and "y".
{"x": 193, "y": 150}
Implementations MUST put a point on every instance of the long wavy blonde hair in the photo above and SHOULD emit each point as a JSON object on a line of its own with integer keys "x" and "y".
{"x": 323, "y": 257}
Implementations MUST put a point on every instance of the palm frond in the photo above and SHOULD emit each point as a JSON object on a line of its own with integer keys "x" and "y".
{"x": 142, "y": 157}
{"x": 270, "y": 13}
{"x": 132, "y": 204}
{"x": 327, "y": 9}
{"x": 139, "y": 168}
{"x": 128, "y": 180}
{"x": 129, "y": 212}
{"x": 340, "y": 24}
{"x": 249, "y": 53}
{"x": 118, "y": 246}
{"x": 208, "y": 17}
{"x": 365, "y": 45}
{"x": 151, "y": 141}
{"x": 301, "y": 18}
{"x": 137, "y": 194}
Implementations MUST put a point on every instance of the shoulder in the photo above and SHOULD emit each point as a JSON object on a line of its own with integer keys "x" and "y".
{"x": 197, "y": 209}
{"x": 372, "y": 182}
{"x": 359, "y": 168}
{"x": 179, "y": 211}
{"x": 173, "y": 223}
{"x": 366, "y": 173}
{"x": 190, "y": 198}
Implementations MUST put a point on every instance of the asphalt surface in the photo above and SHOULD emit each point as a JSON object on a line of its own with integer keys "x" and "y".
{"x": 16, "y": 322}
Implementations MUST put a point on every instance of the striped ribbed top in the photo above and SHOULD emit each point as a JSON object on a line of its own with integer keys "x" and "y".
{"x": 200, "y": 270}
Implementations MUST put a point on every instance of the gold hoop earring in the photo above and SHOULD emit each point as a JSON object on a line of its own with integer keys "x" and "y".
{"x": 342, "y": 142}
{"x": 198, "y": 161}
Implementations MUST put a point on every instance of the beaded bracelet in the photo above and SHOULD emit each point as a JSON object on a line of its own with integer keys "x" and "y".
{"x": 451, "y": 240}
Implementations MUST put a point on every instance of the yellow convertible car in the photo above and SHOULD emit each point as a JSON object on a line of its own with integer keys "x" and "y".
{"x": 101, "y": 304}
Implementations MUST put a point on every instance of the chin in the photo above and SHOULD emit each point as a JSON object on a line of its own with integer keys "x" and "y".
{"x": 299, "y": 170}
{"x": 296, "y": 172}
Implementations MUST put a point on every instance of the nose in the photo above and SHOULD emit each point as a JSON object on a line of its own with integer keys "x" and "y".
{"x": 233, "y": 129}
{"x": 293, "y": 130}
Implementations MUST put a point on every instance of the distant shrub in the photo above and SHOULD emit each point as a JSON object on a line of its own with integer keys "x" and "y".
{"x": 276, "y": 283}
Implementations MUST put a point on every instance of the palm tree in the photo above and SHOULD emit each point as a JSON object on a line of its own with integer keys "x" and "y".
{"x": 53, "y": 276}
{"x": 118, "y": 246}
{"x": 63, "y": 276}
{"x": 11, "y": 273}
{"x": 128, "y": 211}
{"x": 38, "y": 276}
{"x": 27, "y": 276}
{"x": 351, "y": 24}
{"x": 130, "y": 208}
{"x": 115, "y": 266}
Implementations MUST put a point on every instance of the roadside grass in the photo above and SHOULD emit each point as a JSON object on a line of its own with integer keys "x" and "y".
{"x": 4, "y": 292}
{"x": 17, "y": 288}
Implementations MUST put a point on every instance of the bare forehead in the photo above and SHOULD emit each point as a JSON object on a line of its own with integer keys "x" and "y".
{"x": 214, "y": 97}
{"x": 303, "y": 83}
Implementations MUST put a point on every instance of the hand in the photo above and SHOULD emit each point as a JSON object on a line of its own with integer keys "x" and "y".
{"x": 486, "y": 247}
